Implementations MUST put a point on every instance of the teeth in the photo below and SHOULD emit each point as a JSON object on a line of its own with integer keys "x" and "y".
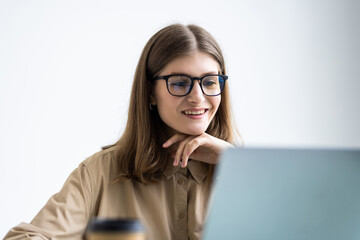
{"x": 195, "y": 112}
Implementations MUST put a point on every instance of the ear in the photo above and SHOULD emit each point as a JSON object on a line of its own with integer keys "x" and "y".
{"x": 152, "y": 99}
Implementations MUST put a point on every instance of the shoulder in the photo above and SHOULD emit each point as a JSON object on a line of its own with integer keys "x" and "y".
{"x": 102, "y": 157}
{"x": 102, "y": 163}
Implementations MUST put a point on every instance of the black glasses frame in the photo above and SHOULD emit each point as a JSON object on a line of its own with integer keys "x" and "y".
{"x": 166, "y": 78}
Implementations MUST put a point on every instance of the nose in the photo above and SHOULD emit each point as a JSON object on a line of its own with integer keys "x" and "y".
{"x": 196, "y": 95}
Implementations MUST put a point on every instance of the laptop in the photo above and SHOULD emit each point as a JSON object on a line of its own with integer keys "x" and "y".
{"x": 286, "y": 194}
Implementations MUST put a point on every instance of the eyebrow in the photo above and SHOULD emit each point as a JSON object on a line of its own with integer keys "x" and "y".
{"x": 181, "y": 73}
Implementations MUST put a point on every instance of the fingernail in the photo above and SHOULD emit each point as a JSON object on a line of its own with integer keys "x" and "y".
{"x": 176, "y": 162}
{"x": 183, "y": 164}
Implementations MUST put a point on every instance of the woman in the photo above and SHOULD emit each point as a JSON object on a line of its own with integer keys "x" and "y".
{"x": 160, "y": 170}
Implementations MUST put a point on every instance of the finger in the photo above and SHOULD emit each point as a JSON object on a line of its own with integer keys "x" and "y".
{"x": 188, "y": 149}
{"x": 191, "y": 147}
{"x": 185, "y": 156}
{"x": 173, "y": 139}
{"x": 194, "y": 144}
{"x": 180, "y": 149}
{"x": 178, "y": 153}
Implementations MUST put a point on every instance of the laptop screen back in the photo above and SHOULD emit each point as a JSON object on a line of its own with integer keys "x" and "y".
{"x": 286, "y": 194}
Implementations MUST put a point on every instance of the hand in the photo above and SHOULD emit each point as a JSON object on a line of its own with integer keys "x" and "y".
{"x": 203, "y": 147}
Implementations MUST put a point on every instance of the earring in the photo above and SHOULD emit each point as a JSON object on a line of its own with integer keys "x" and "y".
{"x": 150, "y": 106}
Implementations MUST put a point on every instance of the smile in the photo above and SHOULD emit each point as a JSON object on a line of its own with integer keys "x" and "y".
{"x": 195, "y": 114}
{"x": 198, "y": 112}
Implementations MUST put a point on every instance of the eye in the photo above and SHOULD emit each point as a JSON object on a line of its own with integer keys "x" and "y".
{"x": 179, "y": 81}
{"x": 210, "y": 81}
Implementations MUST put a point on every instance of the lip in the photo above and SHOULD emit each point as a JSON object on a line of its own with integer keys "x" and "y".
{"x": 198, "y": 116}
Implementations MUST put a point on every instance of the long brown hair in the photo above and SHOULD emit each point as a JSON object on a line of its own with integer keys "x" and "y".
{"x": 140, "y": 154}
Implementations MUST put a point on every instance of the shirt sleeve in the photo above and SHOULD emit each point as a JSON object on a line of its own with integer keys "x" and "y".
{"x": 65, "y": 215}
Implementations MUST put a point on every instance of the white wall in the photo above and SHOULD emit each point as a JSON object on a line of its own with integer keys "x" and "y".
{"x": 66, "y": 69}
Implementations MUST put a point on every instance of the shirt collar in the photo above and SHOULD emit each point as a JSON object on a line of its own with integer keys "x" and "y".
{"x": 197, "y": 169}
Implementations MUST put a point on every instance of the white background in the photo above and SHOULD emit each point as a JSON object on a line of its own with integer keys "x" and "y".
{"x": 66, "y": 69}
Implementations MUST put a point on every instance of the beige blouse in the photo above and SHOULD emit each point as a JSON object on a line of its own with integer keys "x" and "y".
{"x": 174, "y": 208}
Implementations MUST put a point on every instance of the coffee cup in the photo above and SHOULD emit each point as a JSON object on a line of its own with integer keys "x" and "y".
{"x": 115, "y": 229}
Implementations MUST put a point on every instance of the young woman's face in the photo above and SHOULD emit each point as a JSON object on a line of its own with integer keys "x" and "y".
{"x": 190, "y": 114}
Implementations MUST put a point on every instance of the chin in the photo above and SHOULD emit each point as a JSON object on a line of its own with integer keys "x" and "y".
{"x": 193, "y": 129}
{"x": 194, "y": 132}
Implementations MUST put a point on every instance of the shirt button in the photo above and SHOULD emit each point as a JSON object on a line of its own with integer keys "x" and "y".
{"x": 180, "y": 181}
{"x": 181, "y": 215}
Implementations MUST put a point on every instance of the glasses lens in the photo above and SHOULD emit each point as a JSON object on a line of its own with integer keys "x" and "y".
{"x": 179, "y": 85}
{"x": 213, "y": 85}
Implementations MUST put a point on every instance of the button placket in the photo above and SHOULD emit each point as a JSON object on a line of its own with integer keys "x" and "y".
{"x": 181, "y": 202}
{"x": 180, "y": 181}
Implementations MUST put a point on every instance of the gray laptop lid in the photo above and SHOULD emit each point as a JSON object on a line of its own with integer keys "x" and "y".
{"x": 286, "y": 194}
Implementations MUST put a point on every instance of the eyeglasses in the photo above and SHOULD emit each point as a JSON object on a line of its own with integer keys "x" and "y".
{"x": 180, "y": 85}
